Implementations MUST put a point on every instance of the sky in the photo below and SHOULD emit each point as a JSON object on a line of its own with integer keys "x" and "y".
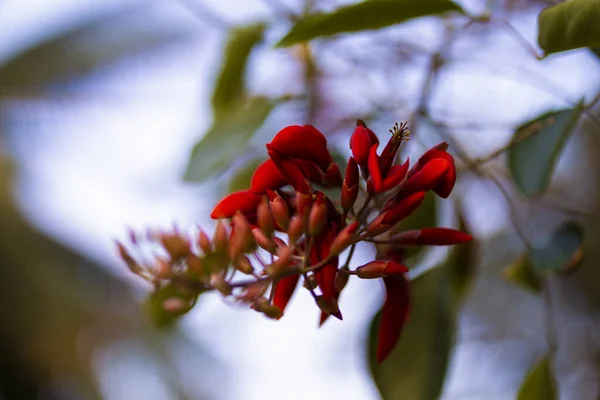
{"x": 110, "y": 156}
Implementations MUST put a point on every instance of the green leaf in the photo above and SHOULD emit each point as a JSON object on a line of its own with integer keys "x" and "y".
{"x": 596, "y": 52}
{"x": 539, "y": 383}
{"x": 559, "y": 252}
{"x": 230, "y": 84}
{"x": 569, "y": 25}
{"x": 242, "y": 178}
{"x": 227, "y": 138}
{"x": 416, "y": 368}
{"x": 363, "y": 16}
{"x": 85, "y": 47}
{"x": 521, "y": 273}
{"x": 536, "y": 147}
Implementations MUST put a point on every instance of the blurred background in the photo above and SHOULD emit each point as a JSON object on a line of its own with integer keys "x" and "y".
{"x": 128, "y": 114}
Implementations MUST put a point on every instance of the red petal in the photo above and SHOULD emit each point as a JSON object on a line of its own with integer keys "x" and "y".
{"x": 304, "y": 142}
{"x": 245, "y": 201}
{"x": 403, "y": 209}
{"x": 284, "y": 289}
{"x": 267, "y": 177}
{"x": 445, "y": 187}
{"x": 292, "y": 172}
{"x": 374, "y": 170}
{"x": 361, "y": 142}
{"x": 442, "y": 237}
{"x": 393, "y": 315}
{"x": 333, "y": 176}
{"x": 427, "y": 178}
{"x": 394, "y": 268}
{"x": 395, "y": 176}
{"x": 351, "y": 178}
{"x": 325, "y": 276}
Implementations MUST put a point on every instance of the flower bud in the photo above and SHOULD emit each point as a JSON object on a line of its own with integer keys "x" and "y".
{"x": 204, "y": 242}
{"x": 329, "y": 306}
{"x": 125, "y": 256}
{"x": 380, "y": 269}
{"x": 263, "y": 241}
{"x": 220, "y": 237}
{"x": 344, "y": 239}
{"x": 265, "y": 219}
{"x": 396, "y": 213}
{"x": 252, "y": 291}
{"x": 241, "y": 240}
{"x": 310, "y": 282}
{"x": 361, "y": 142}
{"x": 317, "y": 218}
{"x": 296, "y": 230}
{"x": 262, "y": 305}
{"x": 283, "y": 262}
{"x": 281, "y": 213}
{"x": 243, "y": 264}
{"x": 176, "y": 245}
{"x": 303, "y": 203}
{"x": 194, "y": 263}
{"x": 341, "y": 279}
{"x": 350, "y": 185}
{"x": 220, "y": 284}
{"x": 175, "y": 305}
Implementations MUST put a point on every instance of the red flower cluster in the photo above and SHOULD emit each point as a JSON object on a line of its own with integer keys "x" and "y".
{"x": 283, "y": 228}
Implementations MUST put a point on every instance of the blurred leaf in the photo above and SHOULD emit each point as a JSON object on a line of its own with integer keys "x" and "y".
{"x": 89, "y": 45}
{"x": 569, "y": 25}
{"x": 362, "y": 16}
{"x": 416, "y": 368}
{"x": 242, "y": 178}
{"x": 559, "y": 252}
{"x": 537, "y": 145}
{"x": 230, "y": 86}
{"x": 521, "y": 273}
{"x": 539, "y": 383}
{"x": 227, "y": 138}
{"x": 596, "y": 52}
{"x": 462, "y": 264}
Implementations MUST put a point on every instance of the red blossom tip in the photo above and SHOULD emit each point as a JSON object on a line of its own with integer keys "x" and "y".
{"x": 393, "y": 315}
{"x": 244, "y": 201}
{"x": 361, "y": 142}
{"x": 302, "y": 142}
{"x": 442, "y": 237}
{"x": 267, "y": 177}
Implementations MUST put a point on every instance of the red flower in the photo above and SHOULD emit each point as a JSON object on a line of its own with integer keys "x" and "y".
{"x": 380, "y": 269}
{"x": 267, "y": 177}
{"x": 361, "y": 142}
{"x": 431, "y": 237}
{"x": 350, "y": 185}
{"x": 325, "y": 276}
{"x": 396, "y": 213}
{"x": 284, "y": 289}
{"x": 382, "y": 181}
{"x": 302, "y": 142}
{"x": 393, "y": 315}
{"x": 244, "y": 201}
{"x": 445, "y": 184}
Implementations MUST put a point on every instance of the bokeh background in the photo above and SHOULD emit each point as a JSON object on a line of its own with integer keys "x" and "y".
{"x": 101, "y": 106}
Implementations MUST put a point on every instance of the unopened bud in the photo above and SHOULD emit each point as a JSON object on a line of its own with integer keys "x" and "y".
{"x": 296, "y": 229}
{"x": 265, "y": 219}
{"x": 262, "y": 305}
{"x": 220, "y": 284}
{"x": 317, "y": 218}
{"x": 303, "y": 203}
{"x": 344, "y": 239}
{"x": 310, "y": 282}
{"x": 329, "y": 306}
{"x": 177, "y": 246}
{"x": 163, "y": 268}
{"x": 263, "y": 241}
{"x": 242, "y": 240}
{"x": 220, "y": 237}
{"x": 175, "y": 305}
{"x": 252, "y": 291}
{"x": 341, "y": 279}
{"x": 380, "y": 269}
{"x": 280, "y": 212}
{"x": 283, "y": 261}
{"x": 194, "y": 263}
{"x": 131, "y": 263}
{"x": 204, "y": 242}
{"x": 243, "y": 264}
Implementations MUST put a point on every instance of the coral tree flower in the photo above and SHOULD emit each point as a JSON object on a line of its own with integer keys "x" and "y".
{"x": 318, "y": 229}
